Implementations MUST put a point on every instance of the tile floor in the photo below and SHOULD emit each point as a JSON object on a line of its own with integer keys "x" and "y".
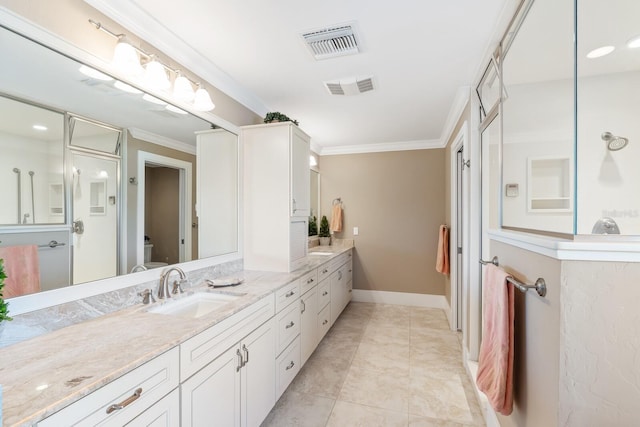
{"x": 382, "y": 365}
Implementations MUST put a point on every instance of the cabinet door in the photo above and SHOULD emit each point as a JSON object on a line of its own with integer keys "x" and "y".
{"x": 300, "y": 174}
{"x": 308, "y": 324}
{"x": 165, "y": 413}
{"x": 338, "y": 293}
{"x": 213, "y": 394}
{"x": 258, "y": 375}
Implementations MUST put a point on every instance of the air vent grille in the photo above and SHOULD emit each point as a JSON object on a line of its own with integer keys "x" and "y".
{"x": 332, "y": 41}
{"x": 351, "y": 86}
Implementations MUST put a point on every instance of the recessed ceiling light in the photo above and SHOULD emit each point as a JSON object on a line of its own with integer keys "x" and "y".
{"x": 94, "y": 74}
{"x": 126, "y": 88}
{"x": 601, "y": 51}
{"x": 40, "y": 127}
{"x": 634, "y": 42}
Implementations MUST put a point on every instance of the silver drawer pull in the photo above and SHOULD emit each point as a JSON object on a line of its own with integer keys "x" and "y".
{"x": 289, "y": 325}
{"x": 325, "y": 293}
{"x": 325, "y": 322}
{"x": 339, "y": 275}
{"x": 240, "y": 360}
{"x": 310, "y": 281}
{"x": 128, "y": 401}
{"x": 246, "y": 354}
{"x": 289, "y": 294}
{"x": 291, "y": 365}
{"x": 324, "y": 271}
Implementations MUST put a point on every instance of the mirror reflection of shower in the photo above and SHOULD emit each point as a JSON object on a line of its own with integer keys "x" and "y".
{"x": 25, "y": 217}
{"x": 614, "y": 143}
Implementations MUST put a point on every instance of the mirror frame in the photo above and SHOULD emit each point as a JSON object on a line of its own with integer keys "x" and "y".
{"x": 28, "y": 303}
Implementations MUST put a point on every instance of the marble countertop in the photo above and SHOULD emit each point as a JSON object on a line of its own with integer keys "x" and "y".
{"x": 45, "y": 374}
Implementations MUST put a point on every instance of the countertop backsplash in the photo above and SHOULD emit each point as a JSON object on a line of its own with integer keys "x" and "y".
{"x": 39, "y": 322}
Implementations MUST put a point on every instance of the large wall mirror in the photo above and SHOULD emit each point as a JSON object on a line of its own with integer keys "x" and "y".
{"x": 570, "y": 129}
{"x": 98, "y": 179}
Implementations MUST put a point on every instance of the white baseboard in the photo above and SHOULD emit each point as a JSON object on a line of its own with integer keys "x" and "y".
{"x": 490, "y": 417}
{"x": 401, "y": 298}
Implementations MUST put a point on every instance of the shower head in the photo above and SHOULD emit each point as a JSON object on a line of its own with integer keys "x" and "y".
{"x": 614, "y": 143}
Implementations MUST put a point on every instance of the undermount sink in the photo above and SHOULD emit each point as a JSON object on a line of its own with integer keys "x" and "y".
{"x": 320, "y": 253}
{"x": 195, "y": 305}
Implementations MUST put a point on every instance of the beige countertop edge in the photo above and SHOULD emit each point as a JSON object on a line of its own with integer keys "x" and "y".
{"x": 45, "y": 374}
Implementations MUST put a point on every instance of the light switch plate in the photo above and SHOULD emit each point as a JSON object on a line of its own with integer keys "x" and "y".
{"x": 355, "y": 231}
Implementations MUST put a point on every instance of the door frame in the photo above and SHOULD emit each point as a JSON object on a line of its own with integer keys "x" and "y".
{"x": 459, "y": 142}
{"x": 186, "y": 188}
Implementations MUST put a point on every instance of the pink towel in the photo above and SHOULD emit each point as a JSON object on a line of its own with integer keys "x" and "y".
{"x": 22, "y": 269}
{"x": 495, "y": 362}
{"x": 336, "y": 218}
{"x": 442, "y": 259}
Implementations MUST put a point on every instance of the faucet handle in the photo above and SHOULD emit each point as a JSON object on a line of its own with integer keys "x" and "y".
{"x": 177, "y": 287}
{"x": 147, "y": 296}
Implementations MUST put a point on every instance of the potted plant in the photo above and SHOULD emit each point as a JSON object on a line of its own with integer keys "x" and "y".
{"x": 275, "y": 117}
{"x": 4, "y": 312}
{"x": 313, "y": 226}
{"x": 323, "y": 233}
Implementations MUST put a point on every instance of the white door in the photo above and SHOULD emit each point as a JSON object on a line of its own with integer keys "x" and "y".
{"x": 308, "y": 324}
{"x": 258, "y": 375}
{"x": 95, "y": 217}
{"x": 458, "y": 250}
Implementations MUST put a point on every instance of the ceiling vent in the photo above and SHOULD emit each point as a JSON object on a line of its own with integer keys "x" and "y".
{"x": 333, "y": 41}
{"x": 353, "y": 86}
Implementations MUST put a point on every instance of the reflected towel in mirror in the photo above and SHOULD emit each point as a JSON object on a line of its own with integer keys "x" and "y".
{"x": 21, "y": 265}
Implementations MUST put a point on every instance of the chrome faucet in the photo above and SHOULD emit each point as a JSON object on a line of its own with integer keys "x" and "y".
{"x": 163, "y": 286}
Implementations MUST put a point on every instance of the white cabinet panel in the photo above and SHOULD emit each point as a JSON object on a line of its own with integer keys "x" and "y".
{"x": 308, "y": 324}
{"x": 165, "y": 413}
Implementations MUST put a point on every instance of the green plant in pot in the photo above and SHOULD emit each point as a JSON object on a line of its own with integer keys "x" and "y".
{"x": 313, "y": 226}
{"x": 276, "y": 116}
{"x": 4, "y": 311}
{"x": 323, "y": 233}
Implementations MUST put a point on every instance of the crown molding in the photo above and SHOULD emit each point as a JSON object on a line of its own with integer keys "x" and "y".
{"x": 135, "y": 19}
{"x": 455, "y": 111}
{"x": 162, "y": 140}
{"x": 382, "y": 147}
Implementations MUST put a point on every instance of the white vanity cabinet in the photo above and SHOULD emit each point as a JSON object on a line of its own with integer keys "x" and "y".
{"x": 308, "y": 324}
{"x": 276, "y": 196}
{"x": 235, "y": 389}
{"x": 227, "y": 371}
{"x": 126, "y": 399}
{"x": 341, "y": 285}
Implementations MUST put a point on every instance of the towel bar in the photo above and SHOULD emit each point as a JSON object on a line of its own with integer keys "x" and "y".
{"x": 52, "y": 244}
{"x": 540, "y": 286}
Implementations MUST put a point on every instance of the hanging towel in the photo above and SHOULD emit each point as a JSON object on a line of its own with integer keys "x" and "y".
{"x": 442, "y": 259}
{"x": 336, "y": 218}
{"x": 495, "y": 361}
{"x": 22, "y": 269}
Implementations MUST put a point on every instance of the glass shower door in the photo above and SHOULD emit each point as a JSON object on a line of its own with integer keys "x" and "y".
{"x": 95, "y": 217}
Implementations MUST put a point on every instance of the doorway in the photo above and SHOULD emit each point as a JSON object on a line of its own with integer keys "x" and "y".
{"x": 164, "y": 209}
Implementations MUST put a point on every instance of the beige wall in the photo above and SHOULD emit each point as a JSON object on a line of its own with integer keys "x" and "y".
{"x": 397, "y": 201}
{"x": 537, "y": 338}
{"x": 162, "y": 213}
{"x": 69, "y": 20}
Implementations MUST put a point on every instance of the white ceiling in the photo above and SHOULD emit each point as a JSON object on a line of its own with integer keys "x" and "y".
{"x": 419, "y": 52}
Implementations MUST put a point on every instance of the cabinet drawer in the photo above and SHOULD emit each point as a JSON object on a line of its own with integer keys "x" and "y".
{"x": 287, "y": 367}
{"x": 324, "y": 322}
{"x": 165, "y": 413}
{"x": 324, "y": 271}
{"x": 348, "y": 270}
{"x": 198, "y": 351}
{"x": 287, "y": 295}
{"x": 288, "y": 323}
{"x": 155, "y": 379}
{"x": 324, "y": 294}
{"x": 308, "y": 281}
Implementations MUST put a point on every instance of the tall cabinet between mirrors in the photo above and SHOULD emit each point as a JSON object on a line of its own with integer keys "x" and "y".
{"x": 276, "y": 196}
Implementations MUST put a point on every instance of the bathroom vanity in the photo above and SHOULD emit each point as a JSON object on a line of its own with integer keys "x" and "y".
{"x": 150, "y": 365}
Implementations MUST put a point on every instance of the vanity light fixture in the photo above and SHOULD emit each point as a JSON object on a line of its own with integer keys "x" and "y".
{"x": 202, "y": 100}
{"x": 634, "y": 42}
{"x": 40, "y": 127}
{"x": 127, "y": 58}
{"x": 94, "y": 74}
{"x": 600, "y": 52}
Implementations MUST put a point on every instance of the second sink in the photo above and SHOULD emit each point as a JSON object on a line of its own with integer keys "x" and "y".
{"x": 195, "y": 305}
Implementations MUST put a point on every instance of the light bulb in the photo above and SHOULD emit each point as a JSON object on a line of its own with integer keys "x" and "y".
{"x": 155, "y": 76}
{"x": 202, "y": 100}
{"x": 125, "y": 58}
{"x": 182, "y": 89}
{"x": 600, "y": 52}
